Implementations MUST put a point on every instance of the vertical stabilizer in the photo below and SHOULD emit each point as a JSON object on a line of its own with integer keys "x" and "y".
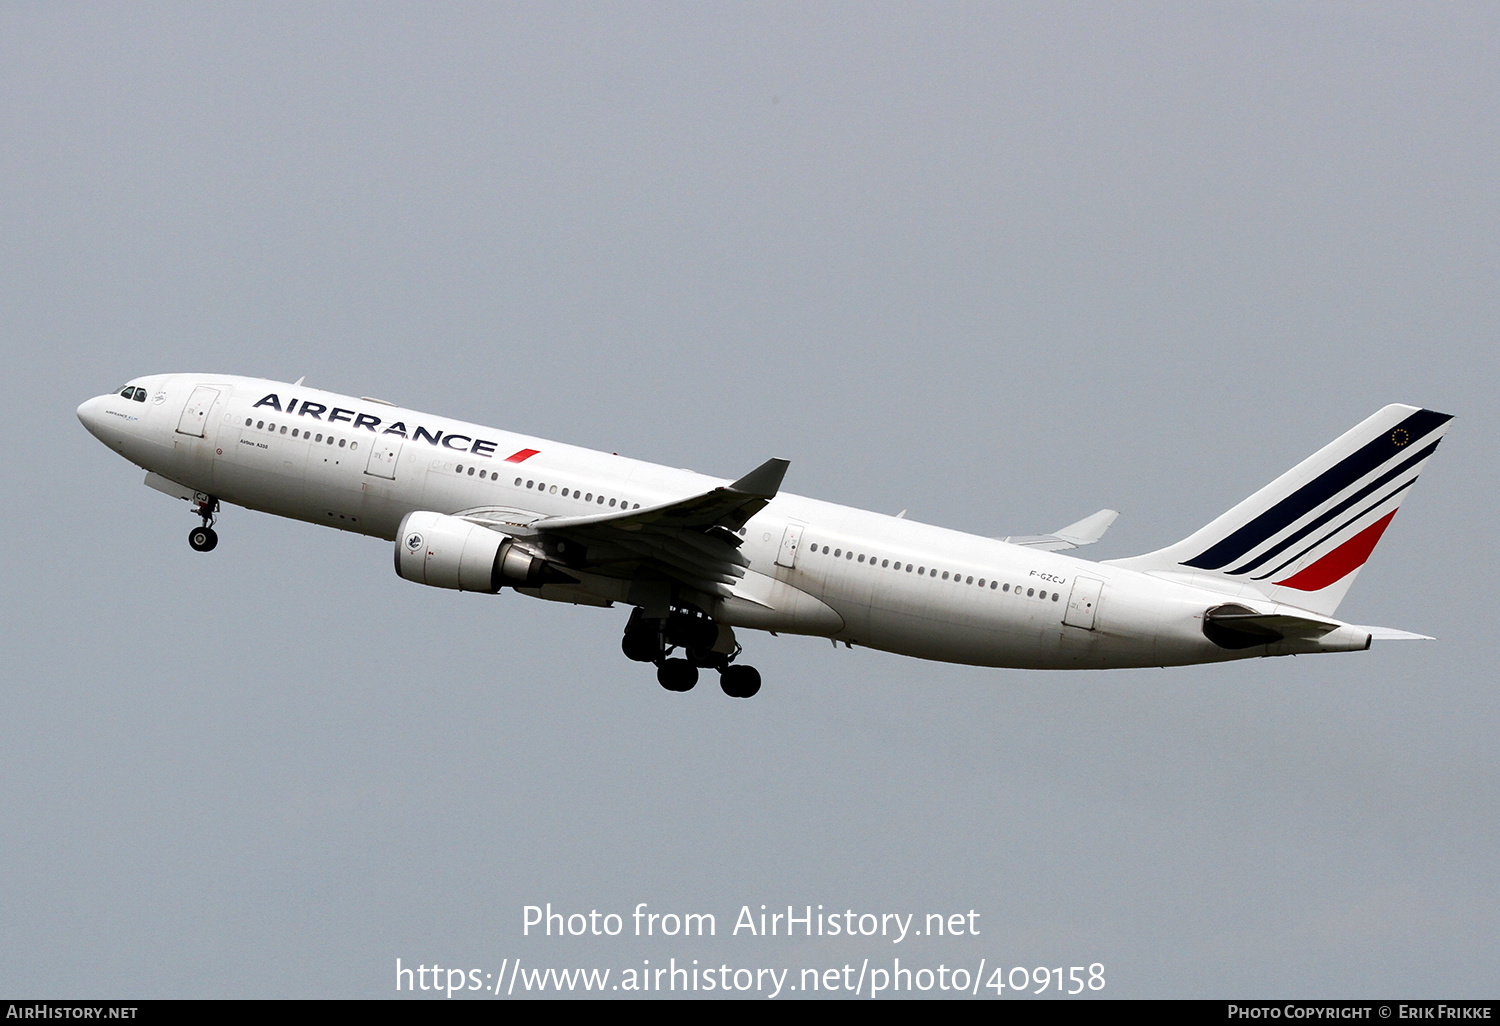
{"x": 1302, "y": 538}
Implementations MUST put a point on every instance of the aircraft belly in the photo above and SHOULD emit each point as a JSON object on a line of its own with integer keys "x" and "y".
{"x": 163, "y": 457}
{"x": 381, "y": 508}
{"x": 766, "y": 603}
{"x": 1134, "y": 621}
{"x": 1139, "y": 626}
{"x": 302, "y": 481}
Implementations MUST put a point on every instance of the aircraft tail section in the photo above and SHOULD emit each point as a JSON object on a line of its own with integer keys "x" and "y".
{"x": 1302, "y": 539}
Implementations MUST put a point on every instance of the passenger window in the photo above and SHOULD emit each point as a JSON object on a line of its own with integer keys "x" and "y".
{"x": 992, "y": 585}
{"x": 861, "y": 557}
{"x": 259, "y": 424}
{"x": 531, "y": 484}
{"x": 353, "y": 446}
{"x": 589, "y": 497}
{"x": 248, "y": 421}
{"x": 837, "y": 553}
{"x": 283, "y": 429}
{"x": 554, "y": 489}
{"x": 483, "y": 474}
{"x": 343, "y": 441}
{"x": 884, "y": 563}
{"x": 611, "y": 503}
{"x": 1006, "y": 588}
{"x": 1030, "y": 592}
{"x": 921, "y": 571}
{"x": 320, "y": 436}
{"x": 471, "y": 471}
{"x": 518, "y": 482}
{"x": 971, "y": 581}
{"x": 1054, "y": 596}
{"x": 981, "y": 582}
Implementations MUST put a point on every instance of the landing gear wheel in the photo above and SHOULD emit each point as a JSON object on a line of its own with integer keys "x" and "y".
{"x": 203, "y": 539}
{"x": 677, "y": 674}
{"x": 707, "y": 659}
{"x": 642, "y": 646}
{"x": 643, "y": 641}
{"x": 740, "y": 681}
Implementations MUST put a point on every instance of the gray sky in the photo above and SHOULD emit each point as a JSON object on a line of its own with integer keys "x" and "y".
{"x": 1001, "y": 265}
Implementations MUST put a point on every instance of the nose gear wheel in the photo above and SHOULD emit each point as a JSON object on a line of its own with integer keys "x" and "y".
{"x": 203, "y": 539}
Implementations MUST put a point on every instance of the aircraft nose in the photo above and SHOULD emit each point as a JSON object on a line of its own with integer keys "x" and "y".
{"x": 89, "y": 416}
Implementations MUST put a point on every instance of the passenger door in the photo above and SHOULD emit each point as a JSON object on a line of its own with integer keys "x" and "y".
{"x": 195, "y": 413}
{"x": 1083, "y": 602}
{"x": 791, "y": 544}
{"x": 383, "y": 456}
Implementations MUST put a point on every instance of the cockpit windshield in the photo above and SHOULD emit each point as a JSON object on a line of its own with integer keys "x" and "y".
{"x": 134, "y": 392}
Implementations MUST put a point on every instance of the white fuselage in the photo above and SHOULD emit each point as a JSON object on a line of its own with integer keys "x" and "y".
{"x": 362, "y": 465}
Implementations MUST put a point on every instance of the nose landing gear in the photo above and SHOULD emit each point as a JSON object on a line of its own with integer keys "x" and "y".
{"x": 203, "y": 539}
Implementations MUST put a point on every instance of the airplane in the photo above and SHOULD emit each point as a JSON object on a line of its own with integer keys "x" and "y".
{"x": 475, "y": 508}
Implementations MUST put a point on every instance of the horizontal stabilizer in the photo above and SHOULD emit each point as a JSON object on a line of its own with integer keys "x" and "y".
{"x": 1276, "y": 626}
{"x": 1084, "y": 532}
{"x": 1391, "y": 634}
{"x": 1234, "y": 626}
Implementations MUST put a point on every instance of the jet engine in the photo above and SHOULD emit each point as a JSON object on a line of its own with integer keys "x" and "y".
{"x": 450, "y": 552}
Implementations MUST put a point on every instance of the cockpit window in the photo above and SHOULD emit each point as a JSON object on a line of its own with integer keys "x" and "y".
{"x": 128, "y": 391}
{"x": 140, "y": 394}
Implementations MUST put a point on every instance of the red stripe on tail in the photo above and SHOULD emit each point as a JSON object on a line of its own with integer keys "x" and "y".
{"x": 1341, "y": 562}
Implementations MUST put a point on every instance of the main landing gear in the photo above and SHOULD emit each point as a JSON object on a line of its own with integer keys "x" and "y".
{"x": 203, "y": 539}
{"x": 705, "y": 645}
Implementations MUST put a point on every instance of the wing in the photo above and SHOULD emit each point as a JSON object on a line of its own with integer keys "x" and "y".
{"x": 1084, "y": 532}
{"x": 691, "y": 541}
{"x": 1392, "y": 634}
{"x": 729, "y": 506}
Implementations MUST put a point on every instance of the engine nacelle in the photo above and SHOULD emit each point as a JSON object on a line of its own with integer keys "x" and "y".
{"x": 450, "y": 552}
